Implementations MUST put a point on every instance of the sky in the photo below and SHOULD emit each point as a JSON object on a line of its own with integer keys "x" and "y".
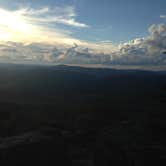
{"x": 115, "y": 26}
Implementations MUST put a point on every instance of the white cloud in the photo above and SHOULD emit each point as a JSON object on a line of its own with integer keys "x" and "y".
{"x": 144, "y": 50}
{"x": 57, "y": 15}
{"x": 38, "y": 25}
{"x": 163, "y": 16}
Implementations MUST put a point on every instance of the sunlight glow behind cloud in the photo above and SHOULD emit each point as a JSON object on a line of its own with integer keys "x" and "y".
{"x": 35, "y": 25}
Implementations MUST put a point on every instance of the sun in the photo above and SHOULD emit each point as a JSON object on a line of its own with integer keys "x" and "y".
{"x": 13, "y": 25}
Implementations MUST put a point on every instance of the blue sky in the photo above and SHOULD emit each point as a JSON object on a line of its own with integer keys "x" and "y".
{"x": 114, "y": 20}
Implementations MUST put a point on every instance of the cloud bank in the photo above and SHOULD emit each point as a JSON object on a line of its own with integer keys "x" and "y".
{"x": 35, "y": 36}
{"x": 145, "y": 50}
{"x": 142, "y": 51}
{"x": 163, "y": 16}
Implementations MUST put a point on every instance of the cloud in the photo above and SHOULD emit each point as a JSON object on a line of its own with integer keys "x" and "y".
{"x": 57, "y": 15}
{"x": 144, "y": 50}
{"x": 156, "y": 42}
{"x": 38, "y": 25}
{"x": 157, "y": 30}
{"x": 163, "y": 16}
